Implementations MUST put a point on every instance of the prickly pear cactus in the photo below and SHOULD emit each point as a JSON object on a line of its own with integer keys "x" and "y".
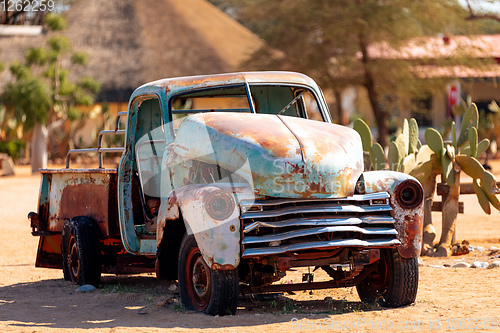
{"x": 366, "y": 139}
{"x": 364, "y": 132}
{"x": 461, "y": 155}
{"x": 401, "y": 153}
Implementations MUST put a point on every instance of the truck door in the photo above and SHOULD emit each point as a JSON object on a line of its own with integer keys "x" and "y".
{"x": 139, "y": 178}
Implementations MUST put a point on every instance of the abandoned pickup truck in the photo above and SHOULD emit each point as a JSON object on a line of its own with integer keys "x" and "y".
{"x": 225, "y": 183}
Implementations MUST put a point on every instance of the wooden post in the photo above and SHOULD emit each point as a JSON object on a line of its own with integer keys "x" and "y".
{"x": 449, "y": 215}
{"x": 429, "y": 232}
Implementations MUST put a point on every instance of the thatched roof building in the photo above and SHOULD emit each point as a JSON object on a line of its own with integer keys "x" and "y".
{"x": 133, "y": 42}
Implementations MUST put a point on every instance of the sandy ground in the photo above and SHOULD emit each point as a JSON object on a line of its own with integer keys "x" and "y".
{"x": 38, "y": 300}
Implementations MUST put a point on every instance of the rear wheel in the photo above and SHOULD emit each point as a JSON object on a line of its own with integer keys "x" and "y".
{"x": 394, "y": 283}
{"x": 81, "y": 255}
{"x": 202, "y": 288}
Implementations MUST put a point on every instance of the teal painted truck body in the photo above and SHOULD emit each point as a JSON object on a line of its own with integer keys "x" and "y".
{"x": 251, "y": 165}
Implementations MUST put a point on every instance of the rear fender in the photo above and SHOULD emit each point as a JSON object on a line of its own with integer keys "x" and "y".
{"x": 408, "y": 221}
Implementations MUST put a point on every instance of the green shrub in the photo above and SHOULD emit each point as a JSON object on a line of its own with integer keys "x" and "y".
{"x": 12, "y": 148}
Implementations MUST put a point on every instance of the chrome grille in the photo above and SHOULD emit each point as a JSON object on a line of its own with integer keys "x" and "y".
{"x": 275, "y": 226}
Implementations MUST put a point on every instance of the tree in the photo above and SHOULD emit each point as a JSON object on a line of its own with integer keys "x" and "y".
{"x": 43, "y": 95}
{"x": 331, "y": 40}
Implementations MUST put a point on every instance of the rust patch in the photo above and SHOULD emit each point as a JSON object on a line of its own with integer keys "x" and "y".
{"x": 49, "y": 252}
{"x": 83, "y": 200}
{"x": 409, "y": 224}
{"x": 169, "y": 211}
{"x": 267, "y": 130}
{"x": 284, "y": 263}
{"x": 219, "y": 267}
{"x": 43, "y": 216}
{"x": 317, "y": 255}
{"x": 194, "y": 82}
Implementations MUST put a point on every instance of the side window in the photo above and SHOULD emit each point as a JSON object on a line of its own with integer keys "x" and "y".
{"x": 149, "y": 121}
{"x": 149, "y": 147}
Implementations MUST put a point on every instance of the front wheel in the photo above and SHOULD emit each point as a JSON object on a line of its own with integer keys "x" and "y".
{"x": 202, "y": 288}
{"x": 394, "y": 283}
{"x": 80, "y": 251}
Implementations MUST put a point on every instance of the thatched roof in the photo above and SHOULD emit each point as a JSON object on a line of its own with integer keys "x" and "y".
{"x": 133, "y": 42}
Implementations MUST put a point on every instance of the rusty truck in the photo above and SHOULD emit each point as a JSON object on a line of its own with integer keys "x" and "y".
{"x": 225, "y": 183}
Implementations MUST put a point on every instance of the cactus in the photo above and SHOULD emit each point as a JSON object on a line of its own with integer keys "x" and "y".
{"x": 467, "y": 162}
{"x": 434, "y": 140}
{"x": 483, "y": 199}
{"x": 404, "y": 137}
{"x": 454, "y": 136}
{"x": 488, "y": 182}
{"x": 463, "y": 153}
{"x": 481, "y": 147}
{"x": 364, "y": 132}
{"x": 470, "y": 119}
{"x": 413, "y": 136}
{"x": 447, "y": 165}
{"x": 473, "y": 141}
{"x": 377, "y": 157}
{"x": 470, "y": 166}
{"x": 394, "y": 156}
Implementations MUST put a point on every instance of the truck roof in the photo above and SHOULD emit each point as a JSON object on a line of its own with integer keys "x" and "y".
{"x": 178, "y": 84}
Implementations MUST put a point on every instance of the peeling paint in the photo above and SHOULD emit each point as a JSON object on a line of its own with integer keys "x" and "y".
{"x": 330, "y": 168}
{"x": 408, "y": 222}
{"x": 218, "y": 243}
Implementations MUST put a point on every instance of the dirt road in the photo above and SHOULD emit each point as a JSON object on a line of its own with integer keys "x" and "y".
{"x": 38, "y": 300}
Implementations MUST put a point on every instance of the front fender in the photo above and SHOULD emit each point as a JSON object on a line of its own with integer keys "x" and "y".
{"x": 211, "y": 213}
{"x": 408, "y": 221}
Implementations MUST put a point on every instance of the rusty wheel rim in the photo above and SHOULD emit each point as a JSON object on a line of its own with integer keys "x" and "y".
{"x": 198, "y": 280}
{"x": 73, "y": 262}
{"x": 380, "y": 279}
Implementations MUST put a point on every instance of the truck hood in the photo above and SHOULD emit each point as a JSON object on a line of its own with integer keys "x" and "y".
{"x": 277, "y": 155}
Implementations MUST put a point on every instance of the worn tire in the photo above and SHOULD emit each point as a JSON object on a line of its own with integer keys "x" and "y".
{"x": 81, "y": 255}
{"x": 394, "y": 285}
{"x": 217, "y": 292}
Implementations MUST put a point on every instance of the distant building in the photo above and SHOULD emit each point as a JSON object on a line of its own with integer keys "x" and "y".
{"x": 481, "y": 84}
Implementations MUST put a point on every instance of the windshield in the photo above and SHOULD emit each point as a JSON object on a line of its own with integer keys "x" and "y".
{"x": 293, "y": 101}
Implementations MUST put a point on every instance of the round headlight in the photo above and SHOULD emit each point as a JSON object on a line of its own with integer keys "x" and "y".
{"x": 409, "y": 194}
{"x": 219, "y": 205}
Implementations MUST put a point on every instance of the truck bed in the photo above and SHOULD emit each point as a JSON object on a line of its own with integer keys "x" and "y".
{"x": 66, "y": 193}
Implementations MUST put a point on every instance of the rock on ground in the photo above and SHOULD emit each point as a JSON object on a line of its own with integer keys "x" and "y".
{"x": 495, "y": 264}
{"x": 461, "y": 265}
{"x": 480, "y": 264}
{"x": 85, "y": 288}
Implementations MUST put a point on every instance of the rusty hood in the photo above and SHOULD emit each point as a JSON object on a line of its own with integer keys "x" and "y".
{"x": 277, "y": 155}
